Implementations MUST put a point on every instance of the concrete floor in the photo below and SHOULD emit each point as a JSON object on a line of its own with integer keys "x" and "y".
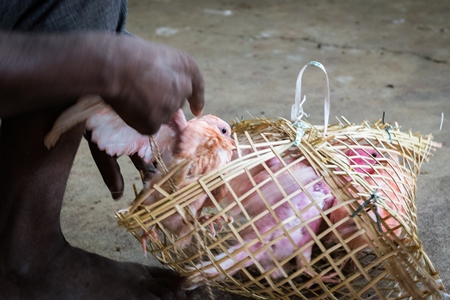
{"x": 391, "y": 56}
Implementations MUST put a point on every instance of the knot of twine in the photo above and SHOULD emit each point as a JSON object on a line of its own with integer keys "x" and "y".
{"x": 160, "y": 163}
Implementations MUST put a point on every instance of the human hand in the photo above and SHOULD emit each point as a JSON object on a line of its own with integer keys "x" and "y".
{"x": 149, "y": 82}
{"x": 110, "y": 169}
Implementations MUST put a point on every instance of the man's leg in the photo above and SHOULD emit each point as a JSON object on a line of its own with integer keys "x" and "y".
{"x": 36, "y": 262}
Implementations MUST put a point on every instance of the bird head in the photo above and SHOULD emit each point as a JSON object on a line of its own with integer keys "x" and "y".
{"x": 362, "y": 160}
{"x": 222, "y": 127}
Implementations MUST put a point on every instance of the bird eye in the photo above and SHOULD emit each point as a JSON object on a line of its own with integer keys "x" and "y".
{"x": 224, "y": 130}
{"x": 374, "y": 154}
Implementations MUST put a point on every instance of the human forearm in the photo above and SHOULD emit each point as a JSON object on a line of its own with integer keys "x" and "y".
{"x": 38, "y": 71}
{"x": 144, "y": 82}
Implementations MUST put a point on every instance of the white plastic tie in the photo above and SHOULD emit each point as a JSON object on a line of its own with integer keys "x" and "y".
{"x": 301, "y": 129}
{"x": 297, "y": 111}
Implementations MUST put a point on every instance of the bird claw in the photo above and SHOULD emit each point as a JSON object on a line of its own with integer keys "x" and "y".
{"x": 330, "y": 278}
{"x": 325, "y": 278}
{"x": 145, "y": 237}
{"x": 205, "y": 218}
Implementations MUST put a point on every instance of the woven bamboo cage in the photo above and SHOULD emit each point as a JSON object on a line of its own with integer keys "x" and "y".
{"x": 371, "y": 251}
{"x": 391, "y": 264}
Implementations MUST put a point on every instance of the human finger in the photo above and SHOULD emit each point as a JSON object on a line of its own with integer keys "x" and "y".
{"x": 108, "y": 167}
{"x": 197, "y": 98}
{"x": 147, "y": 170}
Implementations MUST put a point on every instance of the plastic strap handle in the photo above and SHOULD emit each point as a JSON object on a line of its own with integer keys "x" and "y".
{"x": 297, "y": 109}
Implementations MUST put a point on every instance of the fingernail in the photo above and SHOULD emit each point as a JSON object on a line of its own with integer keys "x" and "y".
{"x": 116, "y": 195}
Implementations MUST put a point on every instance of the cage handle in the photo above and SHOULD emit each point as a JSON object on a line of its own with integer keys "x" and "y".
{"x": 297, "y": 111}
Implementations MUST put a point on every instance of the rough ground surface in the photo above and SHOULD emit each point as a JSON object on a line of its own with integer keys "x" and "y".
{"x": 391, "y": 56}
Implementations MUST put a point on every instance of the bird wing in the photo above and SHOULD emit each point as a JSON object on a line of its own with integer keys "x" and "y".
{"x": 109, "y": 131}
{"x": 113, "y": 135}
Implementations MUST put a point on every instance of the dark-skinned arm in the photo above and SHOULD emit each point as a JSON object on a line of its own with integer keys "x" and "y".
{"x": 144, "y": 82}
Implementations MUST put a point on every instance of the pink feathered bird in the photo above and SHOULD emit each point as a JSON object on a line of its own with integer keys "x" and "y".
{"x": 204, "y": 142}
{"x": 386, "y": 182}
{"x": 115, "y": 137}
{"x": 290, "y": 212}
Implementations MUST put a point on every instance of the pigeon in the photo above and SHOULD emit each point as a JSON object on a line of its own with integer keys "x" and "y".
{"x": 202, "y": 144}
{"x": 264, "y": 240}
{"x": 113, "y": 135}
{"x": 387, "y": 183}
